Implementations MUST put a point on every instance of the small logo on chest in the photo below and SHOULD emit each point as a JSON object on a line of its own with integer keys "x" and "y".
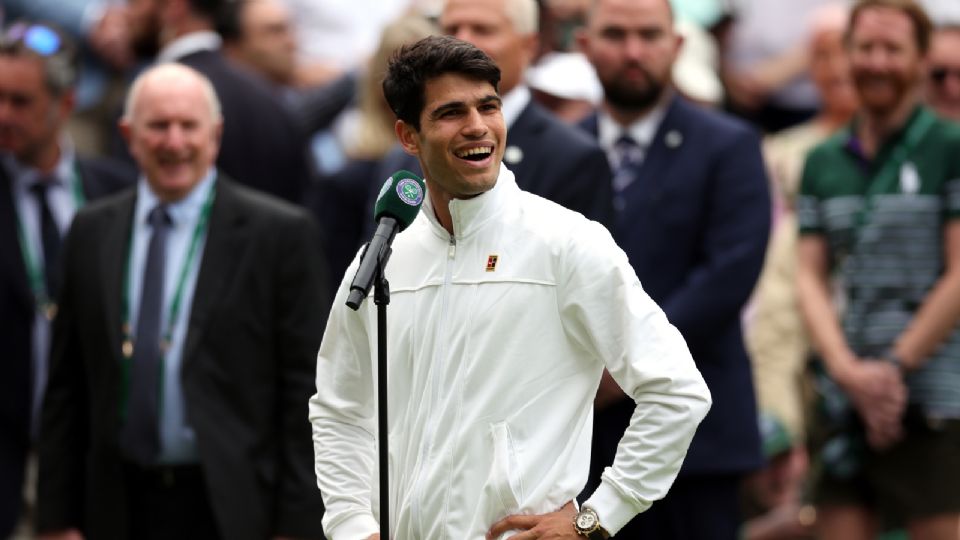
{"x": 492, "y": 263}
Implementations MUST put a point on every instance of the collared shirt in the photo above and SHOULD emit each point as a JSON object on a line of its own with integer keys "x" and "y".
{"x": 63, "y": 205}
{"x": 189, "y": 44}
{"x": 177, "y": 439}
{"x": 514, "y": 102}
{"x": 642, "y": 131}
{"x": 883, "y": 220}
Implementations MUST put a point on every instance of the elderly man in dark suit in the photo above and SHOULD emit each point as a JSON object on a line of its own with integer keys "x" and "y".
{"x": 183, "y": 350}
{"x": 42, "y": 184}
{"x": 692, "y": 213}
{"x": 548, "y": 157}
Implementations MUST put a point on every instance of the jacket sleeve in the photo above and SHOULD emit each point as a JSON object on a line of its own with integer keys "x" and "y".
{"x": 607, "y": 312}
{"x": 734, "y": 242}
{"x": 343, "y": 416}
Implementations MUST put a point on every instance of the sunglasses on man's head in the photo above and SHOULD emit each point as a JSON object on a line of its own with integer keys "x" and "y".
{"x": 36, "y": 37}
{"x": 939, "y": 74}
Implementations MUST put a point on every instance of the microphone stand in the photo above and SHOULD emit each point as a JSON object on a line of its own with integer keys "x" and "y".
{"x": 381, "y": 297}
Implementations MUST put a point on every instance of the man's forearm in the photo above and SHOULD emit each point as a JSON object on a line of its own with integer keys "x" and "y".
{"x": 933, "y": 323}
{"x": 822, "y": 322}
{"x": 938, "y": 314}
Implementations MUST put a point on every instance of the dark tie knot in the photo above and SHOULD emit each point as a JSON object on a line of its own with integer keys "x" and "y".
{"x": 41, "y": 186}
{"x": 626, "y": 143}
{"x": 159, "y": 217}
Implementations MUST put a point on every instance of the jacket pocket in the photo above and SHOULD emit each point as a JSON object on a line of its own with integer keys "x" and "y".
{"x": 505, "y": 473}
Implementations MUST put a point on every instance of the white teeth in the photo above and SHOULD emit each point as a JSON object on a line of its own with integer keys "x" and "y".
{"x": 475, "y": 151}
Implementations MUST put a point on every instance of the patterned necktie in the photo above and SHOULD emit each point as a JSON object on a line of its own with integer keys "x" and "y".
{"x": 49, "y": 239}
{"x": 629, "y": 156}
{"x": 140, "y": 437}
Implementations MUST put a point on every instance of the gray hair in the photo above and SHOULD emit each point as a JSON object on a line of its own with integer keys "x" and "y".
{"x": 172, "y": 69}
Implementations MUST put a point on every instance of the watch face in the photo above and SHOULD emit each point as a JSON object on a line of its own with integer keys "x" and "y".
{"x": 586, "y": 521}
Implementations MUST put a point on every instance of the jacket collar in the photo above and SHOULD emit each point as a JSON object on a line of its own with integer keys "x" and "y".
{"x": 470, "y": 215}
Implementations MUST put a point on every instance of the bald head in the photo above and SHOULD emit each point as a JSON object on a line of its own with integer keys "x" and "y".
{"x": 175, "y": 74}
{"x": 172, "y": 124}
{"x": 594, "y": 4}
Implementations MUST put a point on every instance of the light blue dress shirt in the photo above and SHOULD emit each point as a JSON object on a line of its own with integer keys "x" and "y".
{"x": 178, "y": 443}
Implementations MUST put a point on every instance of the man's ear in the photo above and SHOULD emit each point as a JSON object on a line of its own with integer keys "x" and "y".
{"x": 408, "y": 136}
{"x": 123, "y": 125}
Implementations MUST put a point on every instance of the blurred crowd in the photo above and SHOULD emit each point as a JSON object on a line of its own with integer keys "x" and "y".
{"x": 305, "y": 121}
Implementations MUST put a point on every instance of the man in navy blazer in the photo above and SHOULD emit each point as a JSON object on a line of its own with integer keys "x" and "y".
{"x": 692, "y": 212}
{"x": 549, "y": 158}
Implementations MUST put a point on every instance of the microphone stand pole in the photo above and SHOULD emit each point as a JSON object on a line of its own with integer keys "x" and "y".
{"x": 381, "y": 297}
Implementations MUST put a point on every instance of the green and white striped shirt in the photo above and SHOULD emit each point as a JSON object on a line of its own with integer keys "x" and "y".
{"x": 883, "y": 220}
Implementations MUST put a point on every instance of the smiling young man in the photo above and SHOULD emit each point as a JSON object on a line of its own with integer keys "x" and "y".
{"x": 879, "y": 207}
{"x": 507, "y": 307}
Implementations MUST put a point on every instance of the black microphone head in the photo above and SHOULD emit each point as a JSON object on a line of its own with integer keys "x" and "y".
{"x": 400, "y": 198}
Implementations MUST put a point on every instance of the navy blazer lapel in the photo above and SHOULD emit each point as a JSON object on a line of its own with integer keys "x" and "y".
{"x": 668, "y": 139}
{"x": 225, "y": 240}
{"x": 11, "y": 253}
{"x": 114, "y": 254}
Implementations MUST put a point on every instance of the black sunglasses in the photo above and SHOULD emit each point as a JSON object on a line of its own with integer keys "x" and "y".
{"x": 36, "y": 37}
{"x": 939, "y": 74}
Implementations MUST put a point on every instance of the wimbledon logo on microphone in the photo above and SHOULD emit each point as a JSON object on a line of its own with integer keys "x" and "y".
{"x": 410, "y": 192}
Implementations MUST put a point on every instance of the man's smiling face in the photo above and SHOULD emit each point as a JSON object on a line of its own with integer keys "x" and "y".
{"x": 461, "y": 138}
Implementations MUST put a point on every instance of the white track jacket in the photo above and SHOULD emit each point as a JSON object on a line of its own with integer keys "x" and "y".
{"x": 498, "y": 336}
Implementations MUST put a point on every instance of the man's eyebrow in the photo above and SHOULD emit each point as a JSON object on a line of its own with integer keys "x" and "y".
{"x": 455, "y": 105}
{"x": 448, "y": 106}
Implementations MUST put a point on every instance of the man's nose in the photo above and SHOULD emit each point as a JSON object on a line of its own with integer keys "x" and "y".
{"x": 174, "y": 137}
{"x": 635, "y": 47}
{"x": 474, "y": 126}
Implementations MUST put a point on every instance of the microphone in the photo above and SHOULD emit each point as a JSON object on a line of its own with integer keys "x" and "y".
{"x": 397, "y": 206}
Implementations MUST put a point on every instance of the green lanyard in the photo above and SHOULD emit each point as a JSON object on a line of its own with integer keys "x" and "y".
{"x": 127, "y": 347}
{"x": 887, "y": 176}
{"x": 35, "y": 271}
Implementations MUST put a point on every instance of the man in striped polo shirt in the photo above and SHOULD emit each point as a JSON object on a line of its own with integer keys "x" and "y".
{"x": 879, "y": 210}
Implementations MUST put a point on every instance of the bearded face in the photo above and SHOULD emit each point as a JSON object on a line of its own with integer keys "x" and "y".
{"x": 632, "y": 46}
{"x": 885, "y": 62}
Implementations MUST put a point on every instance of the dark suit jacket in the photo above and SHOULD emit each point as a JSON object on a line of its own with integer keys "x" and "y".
{"x": 557, "y": 162}
{"x": 248, "y": 370}
{"x": 98, "y": 178}
{"x": 695, "y": 228}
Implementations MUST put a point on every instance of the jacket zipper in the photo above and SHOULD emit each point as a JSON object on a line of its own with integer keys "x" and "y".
{"x": 426, "y": 448}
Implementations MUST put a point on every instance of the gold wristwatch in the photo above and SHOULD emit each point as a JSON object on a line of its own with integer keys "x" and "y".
{"x": 587, "y": 524}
